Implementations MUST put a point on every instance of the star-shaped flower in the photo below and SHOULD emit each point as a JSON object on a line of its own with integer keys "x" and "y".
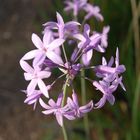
{"x": 56, "y": 109}
{"x": 75, "y": 6}
{"x": 64, "y": 29}
{"x": 74, "y": 106}
{"x": 35, "y": 76}
{"x": 93, "y": 11}
{"x": 45, "y": 48}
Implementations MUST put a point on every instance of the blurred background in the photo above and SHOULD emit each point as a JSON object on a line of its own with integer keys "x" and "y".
{"x": 18, "y": 20}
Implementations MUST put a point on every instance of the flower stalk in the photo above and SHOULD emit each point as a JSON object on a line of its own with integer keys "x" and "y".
{"x": 83, "y": 92}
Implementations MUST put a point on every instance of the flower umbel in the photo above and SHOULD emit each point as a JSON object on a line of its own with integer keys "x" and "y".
{"x": 51, "y": 54}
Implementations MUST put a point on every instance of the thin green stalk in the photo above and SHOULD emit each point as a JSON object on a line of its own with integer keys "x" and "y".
{"x": 83, "y": 90}
{"x": 135, "y": 109}
{"x": 64, "y": 132}
{"x": 63, "y": 102}
{"x": 136, "y": 33}
{"x": 63, "y": 48}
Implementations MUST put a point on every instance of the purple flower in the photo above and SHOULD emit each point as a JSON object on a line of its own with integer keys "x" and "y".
{"x": 76, "y": 6}
{"x": 107, "y": 88}
{"x": 110, "y": 79}
{"x": 93, "y": 11}
{"x": 64, "y": 29}
{"x": 35, "y": 76}
{"x": 74, "y": 106}
{"x": 107, "y": 69}
{"x": 56, "y": 109}
{"x": 34, "y": 97}
{"x": 87, "y": 44}
{"x": 103, "y": 43}
{"x": 45, "y": 48}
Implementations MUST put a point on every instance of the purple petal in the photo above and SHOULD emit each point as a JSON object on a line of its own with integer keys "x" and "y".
{"x": 28, "y": 76}
{"x": 43, "y": 104}
{"x": 39, "y": 59}
{"x": 31, "y": 86}
{"x": 53, "y": 25}
{"x": 59, "y": 118}
{"x": 71, "y": 104}
{"x": 121, "y": 69}
{"x": 98, "y": 86}
{"x": 47, "y": 38}
{"x": 69, "y": 117}
{"x": 59, "y": 100}
{"x": 79, "y": 37}
{"x": 55, "y": 44}
{"x": 44, "y": 74}
{"x": 71, "y": 24}
{"x": 117, "y": 57}
{"x": 43, "y": 88}
{"x": 30, "y": 55}
{"x": 111, "y": 99}
{"x": 47, "y": 112}
{"x": 37, "y": 41}
{"x": 86, "y": 57}
{"x": 111, "y": 61}
{"x": 54, "y": 57}
{"x": 104, "y": 63}
{"x": 59, "y": 19}
{"x": 86, "y": 108}
{"x": 32, "y": 97}
{"x": 26, "y": 67}
{"x": 75, "y": 99}
{"x": 52, "y": 103}
{"x": 101, "y": 102}
{"x": 122, "y": 86}
{"x": 107, "y": 69}
{"x": 86, "y": 30}
{"x": 32, "y": 102}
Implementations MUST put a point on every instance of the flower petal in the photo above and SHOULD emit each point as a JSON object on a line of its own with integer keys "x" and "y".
{"x": 59, "y": 100}
{"x": 101, "y": 102}
{"x": 110, "y": 98}
{"x": 59, "y": 118}
{"x": 59, "y": 19}
{"x": 47, "y": 38}
{"x": 26, "y": 67}
{"x": 54, "y": 57}
{"x": 55, "y": 44}
{"x": 30, "y": 55}
{"x": 47, "y": 112}
{"x": 86, "y": 57}
{"x": 44, "y": 74}
{"x": 98, "y": 86}
{"x": 86, "y": 108}
{"x": 43, "y": 88}
{"x": 31, "y": 86}
{"x": 37, "y": 41}
{"x": 28, "y": 76}
{"x": 52, "y": 103}
{"x": 42, "y": 103}
{"x": 117, "y": 57}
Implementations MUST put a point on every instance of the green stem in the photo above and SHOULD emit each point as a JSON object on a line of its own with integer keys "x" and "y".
{"x": 135, "y": 109}
{"x": 63, "y": 48}
{"x": 136, "y": 33}
{"x": 63, "y": 102}
{"x": 83, "y": 90}
{"x": 64, "y": 91}
{"x": 64, "y": 133}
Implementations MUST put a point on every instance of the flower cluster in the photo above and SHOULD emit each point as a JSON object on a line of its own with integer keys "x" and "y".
{"x": 50, "y": 54}
{"x": 82, "y": 5}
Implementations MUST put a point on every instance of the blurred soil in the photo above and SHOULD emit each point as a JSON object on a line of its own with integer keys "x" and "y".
{"x": 17, "y": 120}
